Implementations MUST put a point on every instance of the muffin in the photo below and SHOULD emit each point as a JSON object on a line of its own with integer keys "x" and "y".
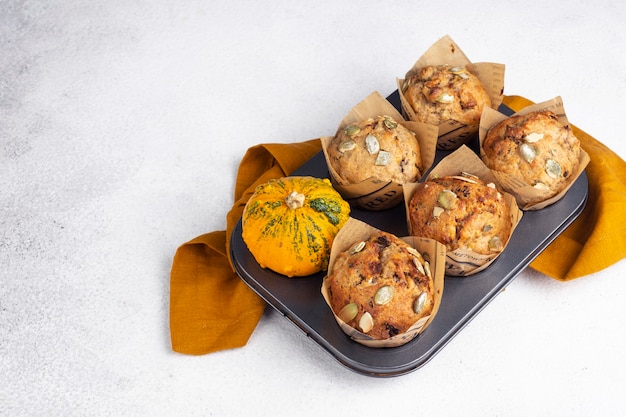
{"x": 535, "y": 148}
{"x": 438, "y": 93}
{"x": 379, "y": 148}
{"x": 461, "y": 212}
{"x": 381, "y": 286}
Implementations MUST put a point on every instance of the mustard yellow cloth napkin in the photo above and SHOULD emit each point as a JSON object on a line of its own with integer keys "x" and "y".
{"x": 211, "y": 309}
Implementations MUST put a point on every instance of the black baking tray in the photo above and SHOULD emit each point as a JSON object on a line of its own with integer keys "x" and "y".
{"x": 300, "y": 299}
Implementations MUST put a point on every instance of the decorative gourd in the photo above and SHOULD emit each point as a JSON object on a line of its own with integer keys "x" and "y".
{"x": 289, "y": 224}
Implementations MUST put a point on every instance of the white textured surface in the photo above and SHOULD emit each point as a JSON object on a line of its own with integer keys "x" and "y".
{"x": 121, "y": 127}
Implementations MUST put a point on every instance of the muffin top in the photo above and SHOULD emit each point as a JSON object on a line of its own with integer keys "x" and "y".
{"x": 461, "y": 212}
{"x": 379, "y": 148}
{"x": 381, "y": 286}
{"x": 438, "y": 93}
{"x": 535, "y": 148}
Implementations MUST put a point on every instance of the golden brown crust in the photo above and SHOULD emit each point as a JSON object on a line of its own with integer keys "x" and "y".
{"x": 461, "y": 214}
{"x": 535, "y": 148}
{"x": 384, "y": 261}
{"x": 377, "y": 148}
{"x": 439, "y": 93}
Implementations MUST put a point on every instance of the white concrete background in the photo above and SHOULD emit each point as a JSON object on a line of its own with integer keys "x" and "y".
{"x": 121, "y": 127}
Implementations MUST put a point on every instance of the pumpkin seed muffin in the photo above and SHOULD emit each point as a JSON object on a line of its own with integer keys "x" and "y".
{"x": 535, "y": 148}
{"x": 438, "y": 93}
{"x": 381, "y": 286}
{"x": 379, "y": 148}
{"x": 461, "y": 212}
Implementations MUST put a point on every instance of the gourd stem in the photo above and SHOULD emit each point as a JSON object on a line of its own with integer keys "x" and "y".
{"x": 294, "y": 200}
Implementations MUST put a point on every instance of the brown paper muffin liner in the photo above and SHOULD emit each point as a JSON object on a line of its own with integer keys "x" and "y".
{"x": 463, "y": 262}
{"x": 432, "y": 251}
{"x": 527, "y": 196}
{"x": 452, "y": 133}
{"x": 375, "y": 194}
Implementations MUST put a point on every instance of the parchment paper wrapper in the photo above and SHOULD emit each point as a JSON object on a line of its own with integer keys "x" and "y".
{"x": 374, "y": 194}
{"x": 452, "y": 133}
{"x": 527, "y": 196}
{"x": 463, "y": 262}
{"x": 432, "y": 251}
